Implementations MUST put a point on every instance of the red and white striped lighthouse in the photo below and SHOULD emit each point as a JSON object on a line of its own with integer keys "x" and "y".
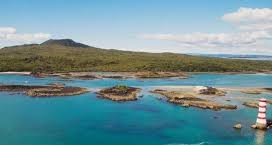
{"x": 261, "y": 120}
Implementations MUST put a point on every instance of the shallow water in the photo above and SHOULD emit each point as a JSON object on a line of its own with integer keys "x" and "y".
{"x": 88, "y": 120}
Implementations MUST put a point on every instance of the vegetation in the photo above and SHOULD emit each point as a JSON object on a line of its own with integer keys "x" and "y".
{"x": 69, "y": 56}
{"x": 119, "y": 93}
{"x": 119, "y": 90}
{"x": 44, "y": 91}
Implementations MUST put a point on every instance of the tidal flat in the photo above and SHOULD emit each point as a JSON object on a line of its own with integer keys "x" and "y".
{"x": 149, "y": 120}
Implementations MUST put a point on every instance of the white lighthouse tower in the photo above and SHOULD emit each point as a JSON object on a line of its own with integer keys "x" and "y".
{"x": 261, "y": 120}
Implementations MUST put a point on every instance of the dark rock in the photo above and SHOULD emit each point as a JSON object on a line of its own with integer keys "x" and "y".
{"x": 251, "y": 104}
{"x": 212, "y": 91}
{"x": 44, "y": 91}
{"x": 119, "y": 93}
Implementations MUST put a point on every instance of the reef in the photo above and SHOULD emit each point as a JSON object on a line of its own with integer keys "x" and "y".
{"x": 44, "y": 91}
{"x": 251, "y": 104}
{"x": 186, "y": 99}
{"x": 119, "y": 93}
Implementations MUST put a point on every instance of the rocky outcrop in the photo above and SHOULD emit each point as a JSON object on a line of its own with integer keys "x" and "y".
{"x": 119, "y": 93}
{"x": 188, "y": 100}
{"x": 251, "y": 104}
{"x": 269, "y": 123}
{"x": 255, "y": 91}
{"x": 260, "y": 127}
{"x": 38, "y": 74}
{"x": 211, "y": 91}
{"x": 237, "y": 126}
{"x": 251, "y": 91}
{"x": 113, "y": 76}
{"x": 56, "y": 91}
{"x": 268, "y": 89}
{"x": 254, "y": 126}
{"x": 44, "y": 91}
{"x": 85, "y": 77}
{"x": 143, "y": 75}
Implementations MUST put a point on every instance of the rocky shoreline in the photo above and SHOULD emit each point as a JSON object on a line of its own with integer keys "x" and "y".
{"x": 113, "y": 75}
{"x": 119, "y": 93}
{"x": 193, "y": 99}
{"x": 44, "y": 91}
{"x": 251, "y": 104}
{"x": 146, "y": 75}
{"x": 125, "y": 75}
{"x": 250, "y": 90}
{"x": 198, "y": 96}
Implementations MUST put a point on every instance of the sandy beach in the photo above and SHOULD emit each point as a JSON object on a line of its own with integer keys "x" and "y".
{"x": 15, "y": 73}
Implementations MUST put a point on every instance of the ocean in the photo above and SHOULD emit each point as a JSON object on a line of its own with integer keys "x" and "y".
{"x": 88, "y": 120}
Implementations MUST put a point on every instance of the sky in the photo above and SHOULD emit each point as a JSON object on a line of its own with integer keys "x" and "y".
{"x": 180, "y": 26}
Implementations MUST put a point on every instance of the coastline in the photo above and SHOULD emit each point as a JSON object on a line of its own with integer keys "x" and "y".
{"x": 43, "y": 91}
{"x": 125, "y": 75}
{"x": 199, "y": 96}
{"x": 15, "y": 73}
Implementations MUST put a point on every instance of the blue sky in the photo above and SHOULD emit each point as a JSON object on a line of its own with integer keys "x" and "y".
{"x": 132, "y": 24}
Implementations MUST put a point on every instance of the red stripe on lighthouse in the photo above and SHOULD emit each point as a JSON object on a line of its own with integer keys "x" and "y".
{"x": 261, "y": 117}
{"x": 262, "y": 112}
{"x": 262, "y": 100}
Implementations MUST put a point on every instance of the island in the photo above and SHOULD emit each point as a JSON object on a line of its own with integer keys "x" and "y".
{"x": 44, "y": 91}
{"x": 66, "y": 55}
{"x": 119, "y": 93}
{"x": 195, "y": 98}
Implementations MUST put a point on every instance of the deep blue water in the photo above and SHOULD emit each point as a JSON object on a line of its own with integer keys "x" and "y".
{"x": 88, "y": 120}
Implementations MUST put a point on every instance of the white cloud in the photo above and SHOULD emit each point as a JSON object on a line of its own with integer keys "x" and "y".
{"x": 7, "y": 30}
{"x": 254, "y": 27}
{"x": 249, "y": 15}
{"x": 8, "y": 35}
{"x": 27, "y": 38}
{"x": 213, "y": 40}
{"x": 249, "y": 19}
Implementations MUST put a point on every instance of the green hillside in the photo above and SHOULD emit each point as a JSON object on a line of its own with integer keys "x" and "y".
{"x": 66, "y": 55}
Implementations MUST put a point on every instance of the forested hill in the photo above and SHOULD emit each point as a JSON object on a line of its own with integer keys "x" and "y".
{"x": 66, "y": 55}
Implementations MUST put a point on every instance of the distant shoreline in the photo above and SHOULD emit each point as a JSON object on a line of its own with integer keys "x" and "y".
{"x": 66, "y": 55}
{"x": 128, "y": 73}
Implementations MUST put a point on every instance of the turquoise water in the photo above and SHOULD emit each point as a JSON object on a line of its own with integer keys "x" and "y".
{"x": 88, "y": 120}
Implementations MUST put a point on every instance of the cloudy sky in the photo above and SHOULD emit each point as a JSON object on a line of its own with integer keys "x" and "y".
{"x": 182, "y": 26}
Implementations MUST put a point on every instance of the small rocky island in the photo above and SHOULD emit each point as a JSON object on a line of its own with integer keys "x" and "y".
{"x": 119, "y": 93}
{"x": 187, "y": 99}
{"x": 44, "y": 91}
